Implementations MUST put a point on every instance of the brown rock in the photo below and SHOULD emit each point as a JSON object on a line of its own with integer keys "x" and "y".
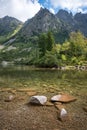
{"x": 57, "y": 103}
{"x": 49, "y": 104}
{"x": 31, "y": 93}
{"x": 63, "y": 98}
{"x": 59, "y": 107}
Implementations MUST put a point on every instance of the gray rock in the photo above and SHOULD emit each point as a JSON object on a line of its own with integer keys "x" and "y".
{"x": 63, "y": 115}
{"x": 39, "y": 100}
{"x": 63, "y": 112}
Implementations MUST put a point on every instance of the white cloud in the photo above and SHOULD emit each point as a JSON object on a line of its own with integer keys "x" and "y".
{"x": 20, "y": 9}
{"x": 72, "y": 5}
{"x": 52, "y": 10}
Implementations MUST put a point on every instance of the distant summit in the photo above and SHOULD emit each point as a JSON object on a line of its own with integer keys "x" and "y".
{"x": 8, "y": 25}
{"x": 65, "y": 16}
{"x": 78, "y": 22}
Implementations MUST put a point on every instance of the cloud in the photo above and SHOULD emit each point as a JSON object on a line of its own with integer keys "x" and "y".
{"x": 25, "y": 9}
{"x": 52, "y": 11}
{"x": 20, "y": 9}
{"x": 72, "y": 5}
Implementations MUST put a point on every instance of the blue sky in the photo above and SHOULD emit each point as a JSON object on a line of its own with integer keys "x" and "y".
{"x": 26, "y": 9}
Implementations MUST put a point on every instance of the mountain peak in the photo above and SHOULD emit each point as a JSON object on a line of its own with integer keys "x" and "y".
{"x": 42, "y": 22}
{"x": 44, "y": 11}
{"x": 66, "y": 17}
{"x": 64, "y": 12}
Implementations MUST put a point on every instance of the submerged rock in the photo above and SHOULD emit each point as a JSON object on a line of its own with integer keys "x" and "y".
{"x": 63, "y": 115}
{"x": 63, "y": 98}
{"x": 38, "y": 100}
{"x": 31, "y": 93}
{"x": 63, "y": 112}
{"x": 10, "y": 98}
{"x": 49, "y": 104}
{"x": 59, "y": 106}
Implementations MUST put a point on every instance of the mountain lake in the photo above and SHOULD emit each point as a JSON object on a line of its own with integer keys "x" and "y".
{"x": 19, "y": 80}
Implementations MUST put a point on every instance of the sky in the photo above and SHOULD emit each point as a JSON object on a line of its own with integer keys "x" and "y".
{"x": 26, "y": 9}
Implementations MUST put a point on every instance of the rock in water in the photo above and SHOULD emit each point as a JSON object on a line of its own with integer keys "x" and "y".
{"x": 56, "y": 98}
{"x": 63, "y": 98}
{"x": 63, "y": 115}
{"x": 10, "y": 98}
{"x": 63, "y": 112}
{"x": 39, "y": 100}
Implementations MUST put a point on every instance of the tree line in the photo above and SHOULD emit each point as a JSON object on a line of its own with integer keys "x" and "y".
{"x": 72, "y": 52}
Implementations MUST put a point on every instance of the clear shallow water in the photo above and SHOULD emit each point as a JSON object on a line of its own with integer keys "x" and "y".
{"x": 44, "y": 80}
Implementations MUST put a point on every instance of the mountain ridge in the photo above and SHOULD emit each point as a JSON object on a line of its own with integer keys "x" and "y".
{"x": 41, "y": 22}
{"x": 61, "y": 24}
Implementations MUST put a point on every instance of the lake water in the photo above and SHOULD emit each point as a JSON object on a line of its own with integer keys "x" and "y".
{"x": 44, "y": 80}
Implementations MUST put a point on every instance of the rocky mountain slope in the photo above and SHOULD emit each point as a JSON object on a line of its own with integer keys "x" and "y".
{"x": 60, "y": 24}
{"x": 43, "y": 21}
{"x": 78, "y": 22}
{"x": 8, "y": 25}
{"x": 81, "y": 22}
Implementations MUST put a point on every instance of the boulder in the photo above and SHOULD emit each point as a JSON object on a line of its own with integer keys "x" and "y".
{"x": 63, "y": 98}
{"x": 38, "y": 100}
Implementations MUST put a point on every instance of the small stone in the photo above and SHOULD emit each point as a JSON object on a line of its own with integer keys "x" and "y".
{"x": 59, "y": 107}
{"x": 44, "y": 85}
{"x": 31, "y": 93}
{"x": 38, "y": 100}
{"x": 63, "y": 115}
{"x": 63, "y": 112}
{"x": 51, "y": 90}
{"x": 10, "y": 98}
{"x": 49, "y": 104}
{"x": 57, "y": 103}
